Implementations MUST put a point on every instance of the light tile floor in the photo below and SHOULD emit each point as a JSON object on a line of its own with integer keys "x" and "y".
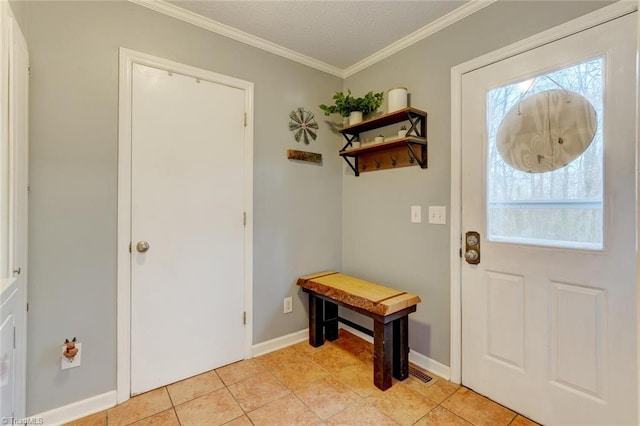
{"x": 302, "y": 385}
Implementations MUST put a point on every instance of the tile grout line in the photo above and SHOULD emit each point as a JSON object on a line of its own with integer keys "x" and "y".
{"x": 360, "y": 398}
{"x": 495, "y": 402}
{"x": 226, "y": 387}
{"x": 244, "y": 412}
{"x": 151, "y": 415}
{"x": 334, "y": 378}
{"x": 308, "y": 357}
{"x": 293, "y": 392}
{"x": 173, "y": 406}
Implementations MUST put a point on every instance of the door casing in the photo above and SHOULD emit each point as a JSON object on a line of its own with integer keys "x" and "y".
{"x": 127, "y": 59}
{"x": 579, "y": 24}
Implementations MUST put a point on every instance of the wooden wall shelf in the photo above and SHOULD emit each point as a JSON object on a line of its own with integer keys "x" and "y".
{"x": 400, "y": 152}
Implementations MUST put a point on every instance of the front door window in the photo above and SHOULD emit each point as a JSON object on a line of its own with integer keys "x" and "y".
{"x": 561, "y": 207}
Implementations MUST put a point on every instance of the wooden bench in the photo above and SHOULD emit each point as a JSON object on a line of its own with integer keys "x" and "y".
{"x": 389, "y": 309}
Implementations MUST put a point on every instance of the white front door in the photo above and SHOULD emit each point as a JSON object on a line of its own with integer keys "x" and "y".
{"x": 549, "y": 313}
{"x": 187, "y": 204}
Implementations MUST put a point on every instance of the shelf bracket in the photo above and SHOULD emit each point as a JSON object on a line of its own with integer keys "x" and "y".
{"x": 415, "y": 120}
{"x": 349, "y": 141}
{"x": 354, "y": 167}
{"x": 422, "y": 159}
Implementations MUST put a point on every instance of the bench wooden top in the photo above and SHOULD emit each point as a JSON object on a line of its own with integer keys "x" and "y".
{"x": 362, "y": 294}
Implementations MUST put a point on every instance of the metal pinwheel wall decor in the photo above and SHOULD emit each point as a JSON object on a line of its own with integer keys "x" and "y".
{"x": 303, "y": 125}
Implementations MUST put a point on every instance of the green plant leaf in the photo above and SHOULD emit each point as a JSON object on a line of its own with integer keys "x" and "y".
{"x": 345, "y": 104}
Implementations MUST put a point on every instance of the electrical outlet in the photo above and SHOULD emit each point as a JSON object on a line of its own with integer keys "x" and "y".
{"x": 416, "y": 214}
{"x": 288, "y": 305}
{"x": 438, "y": 215}
{"x": 71, "y": 362}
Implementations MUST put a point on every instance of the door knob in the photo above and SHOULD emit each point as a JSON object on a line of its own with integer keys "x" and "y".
{"x": 471, "y": 256}
{"x": 142, "y": 246}
{"x": 472, "y": 248}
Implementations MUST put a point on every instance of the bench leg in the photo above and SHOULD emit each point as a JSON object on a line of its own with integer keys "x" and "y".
{"x": 331, "y": 320}
{"x": 382, "y": 348}
{"x": 401, "y": 348}
{"x": 316, "y": 321}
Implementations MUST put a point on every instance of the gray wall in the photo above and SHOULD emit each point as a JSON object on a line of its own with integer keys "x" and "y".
{"x": 18, "y": 9}
{"x": 307, "y": 218}
{"x": 73, "y": 134}
{"x": 379, "y": 243}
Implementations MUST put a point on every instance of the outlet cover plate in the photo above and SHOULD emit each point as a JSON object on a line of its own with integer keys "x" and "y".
{"x": 288, "y": 305}
{"x": 71, "y": 363}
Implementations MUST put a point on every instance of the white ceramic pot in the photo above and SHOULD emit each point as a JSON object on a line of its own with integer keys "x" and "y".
{"x": 355, "y": 117}
{"x": 379, "y": 139}
{"x": 397, "y": 98}
{"x": 355, "y": 144}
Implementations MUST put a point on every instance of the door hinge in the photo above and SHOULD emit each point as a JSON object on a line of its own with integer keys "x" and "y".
{"x": 460, "y": 252}
{"x": 29, "y": 69}
{"x": 14, "y": 337}
{"x": 244, "y": 219}
{"x": 27, "y": 306}
{"x": 129, "y": 247}
{"x": 245, "y": 119}
{"x": 244, "y": 318}
{"x": 28, "y": 188}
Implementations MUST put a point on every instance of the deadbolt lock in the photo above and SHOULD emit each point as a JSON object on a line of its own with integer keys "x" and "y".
{"x": 472, "y": 248}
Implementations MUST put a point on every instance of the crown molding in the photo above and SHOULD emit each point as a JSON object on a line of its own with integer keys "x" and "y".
{"x": 433, "y": 27}
{"x": 235, "y": 34}
{"x": 177, "y": 12}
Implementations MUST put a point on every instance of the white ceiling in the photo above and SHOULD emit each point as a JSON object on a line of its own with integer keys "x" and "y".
{"x": 338, "y": 33}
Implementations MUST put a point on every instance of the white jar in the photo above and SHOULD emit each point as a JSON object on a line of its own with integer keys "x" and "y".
{"x": 355, "y": 117}
{"x": 397, "y": 98}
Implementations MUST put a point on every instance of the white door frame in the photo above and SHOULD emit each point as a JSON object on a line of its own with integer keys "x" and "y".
{"x": 576, "y": 25}
{"x": 638, "y": 190}
{"x": 127, "y": 59}
{"x": 14, "y": 135}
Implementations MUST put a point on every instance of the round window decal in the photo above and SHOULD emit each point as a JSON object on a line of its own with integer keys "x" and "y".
{"x": 546, "y": 131}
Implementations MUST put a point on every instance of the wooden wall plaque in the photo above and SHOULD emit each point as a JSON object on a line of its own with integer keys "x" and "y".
{"x": 310, "y": 157}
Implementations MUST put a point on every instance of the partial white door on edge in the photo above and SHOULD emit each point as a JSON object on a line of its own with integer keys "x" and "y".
{"x": 549, "y": 313}
{"x": 187, "y": 205}
{"x": 14, "y": 148}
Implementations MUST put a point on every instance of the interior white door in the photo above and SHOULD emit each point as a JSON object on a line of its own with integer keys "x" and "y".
{"x": 549, "y": 313}
{"x": 14, "y": 88}
{"x": 187, "y": 288}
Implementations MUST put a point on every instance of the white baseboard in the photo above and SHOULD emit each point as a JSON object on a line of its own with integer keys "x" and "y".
{"x": 280, "y": 342}
{"x": 417, "y": 358}
{"x": 429, "y": 364}
{"x": 78, "y": 409}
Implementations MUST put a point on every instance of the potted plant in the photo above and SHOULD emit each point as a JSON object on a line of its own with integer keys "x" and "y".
{"x": 352, "y": 107}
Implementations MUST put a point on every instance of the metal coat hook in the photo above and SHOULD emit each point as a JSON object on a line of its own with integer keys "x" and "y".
{"x": 363, "y": 166}
{"x": 411, "y": 159}
{"x": 378, "y": 163}
{"x": 394, "y": 161}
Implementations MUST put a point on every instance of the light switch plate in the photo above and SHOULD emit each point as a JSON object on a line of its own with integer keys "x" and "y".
{"x": 438, "y": 215}
{"x": 416, "y": 214}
